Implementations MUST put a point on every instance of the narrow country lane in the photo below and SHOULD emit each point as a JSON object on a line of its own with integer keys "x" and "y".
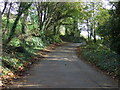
{"x": 62, "y": 68}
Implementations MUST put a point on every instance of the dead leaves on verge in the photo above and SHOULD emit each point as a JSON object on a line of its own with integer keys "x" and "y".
{"x": 40, "y": 54}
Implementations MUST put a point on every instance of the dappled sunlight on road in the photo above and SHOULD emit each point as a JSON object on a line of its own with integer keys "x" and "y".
{"x": 29, "y": 85}
{"x": 62, "y": 68}
{"x": 58, "y": 58}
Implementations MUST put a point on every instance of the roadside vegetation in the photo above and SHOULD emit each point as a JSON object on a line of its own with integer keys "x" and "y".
{"x": 28, "y": 27}
{"x": 102, "y": 57}
{"x": 104, "y": 52}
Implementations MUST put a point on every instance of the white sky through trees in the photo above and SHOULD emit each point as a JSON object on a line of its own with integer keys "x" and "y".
{"x": 15, "y": 6}
{"x": 105, "y": 3}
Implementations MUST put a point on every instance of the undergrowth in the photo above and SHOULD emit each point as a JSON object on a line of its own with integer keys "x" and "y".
{"x": 102, "y": 57}
{"x": 14, "y": 63}
{"x": 18, "y": 55}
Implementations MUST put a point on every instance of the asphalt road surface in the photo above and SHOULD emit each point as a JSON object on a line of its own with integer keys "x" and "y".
{"x": 62, "y": 68}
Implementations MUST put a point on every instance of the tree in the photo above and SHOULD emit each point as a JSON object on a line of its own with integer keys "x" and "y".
{"x": 109, "y": 30}
{"x": 5, "y": 5}
{"x": 22, "y": 8}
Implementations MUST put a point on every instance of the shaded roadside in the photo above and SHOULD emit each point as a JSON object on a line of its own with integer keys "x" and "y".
{"x": 61, "y": 68}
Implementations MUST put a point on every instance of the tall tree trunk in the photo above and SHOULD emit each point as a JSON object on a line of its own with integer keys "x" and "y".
{"x": 94, "y": 31}
{"x": 54, "y": 30}
{"x": 24, "y": 22}
{"x": 0, "y": 34}
{"x": 13, "y": 29}
{"x": 4, "y": 7}
{"x": 16, "y": 22}
{"x": 91, "y": 32}
{"x": 8, "y": 16}
{"x": 23, "y": 43}
{"x": 94, "y": 36}
{"x": 39, "y": 10}
{"x": 88, "y": 30}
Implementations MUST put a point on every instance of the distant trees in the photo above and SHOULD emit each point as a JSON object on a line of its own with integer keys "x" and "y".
{"x": 37, "y": 19}
{"x": 94, "y": 15}
{"x": 43, "y": 20}
{"x": 52, "y": 15}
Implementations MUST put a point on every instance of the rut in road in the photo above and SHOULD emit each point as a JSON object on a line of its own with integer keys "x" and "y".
{"x": 62, "y": 68}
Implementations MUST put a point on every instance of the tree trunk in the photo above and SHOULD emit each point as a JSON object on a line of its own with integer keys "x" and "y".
{"x": 39, "y": 10}
{"x": 94, "y": 36}
{"x": 16, "y": 22}
{"x": 8, "y": 16}
{"x": 88, "y": 30}
{"x": 54, "y": 32}
{"x": 94, "y": 31}
{"x": 4, "y": 7}
{"x": 24, "y": 21}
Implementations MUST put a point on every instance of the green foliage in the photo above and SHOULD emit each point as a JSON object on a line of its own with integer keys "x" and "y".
{"x": 37, "y": 25}
{"x": 70, "y": 38}
{"x": 15, "y": 42}
{"x": 36, "y": 42}
{"x": 14, "y": 63}
{"x": 56, "y": 39}
{"x": 53, "y": 39}
{"x": 110, "y": 30}
{"x": 102, "y": 57}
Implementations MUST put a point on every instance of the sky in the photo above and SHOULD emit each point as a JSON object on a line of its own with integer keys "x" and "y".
{"x": 105, "y": 3}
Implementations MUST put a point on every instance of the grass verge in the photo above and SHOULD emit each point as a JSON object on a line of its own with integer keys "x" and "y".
{"x": 101, "y": 57}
